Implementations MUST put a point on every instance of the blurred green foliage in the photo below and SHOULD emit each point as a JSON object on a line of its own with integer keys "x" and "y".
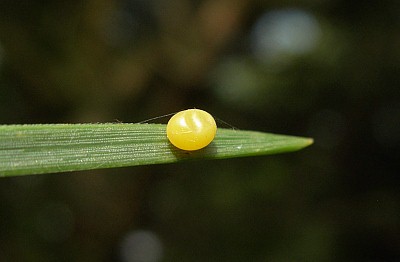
{"x": 323, "y": 69}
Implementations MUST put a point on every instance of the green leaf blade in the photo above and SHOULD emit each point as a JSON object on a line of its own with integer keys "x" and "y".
{"x": 51, "y": 148}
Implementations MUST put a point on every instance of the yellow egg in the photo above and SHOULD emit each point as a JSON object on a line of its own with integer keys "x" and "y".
{"x": 191, "y": 129}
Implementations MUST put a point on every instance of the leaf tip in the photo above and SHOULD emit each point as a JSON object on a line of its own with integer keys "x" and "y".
{"x": 309, "y": 141}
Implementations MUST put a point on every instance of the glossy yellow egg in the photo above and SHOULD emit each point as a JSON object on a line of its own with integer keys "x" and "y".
{"x": 191, "y": 129}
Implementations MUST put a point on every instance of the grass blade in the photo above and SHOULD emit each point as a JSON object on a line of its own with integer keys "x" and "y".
{"x": 51, "y": 148}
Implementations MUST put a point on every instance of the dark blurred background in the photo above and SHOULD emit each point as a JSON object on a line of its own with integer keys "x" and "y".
{"x": 324, "y": 69}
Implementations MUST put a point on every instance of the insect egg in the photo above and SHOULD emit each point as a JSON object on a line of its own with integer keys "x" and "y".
{"x": 191, "y": 129}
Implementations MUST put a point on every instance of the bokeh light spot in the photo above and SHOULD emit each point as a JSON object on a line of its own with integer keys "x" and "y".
{"x": 283, "y": 33}
{"x": 237, "y": 82}
{"x": 141, "y": 246}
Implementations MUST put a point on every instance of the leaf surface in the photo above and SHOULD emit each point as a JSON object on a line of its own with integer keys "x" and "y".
{"x": 51, "y": 148}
